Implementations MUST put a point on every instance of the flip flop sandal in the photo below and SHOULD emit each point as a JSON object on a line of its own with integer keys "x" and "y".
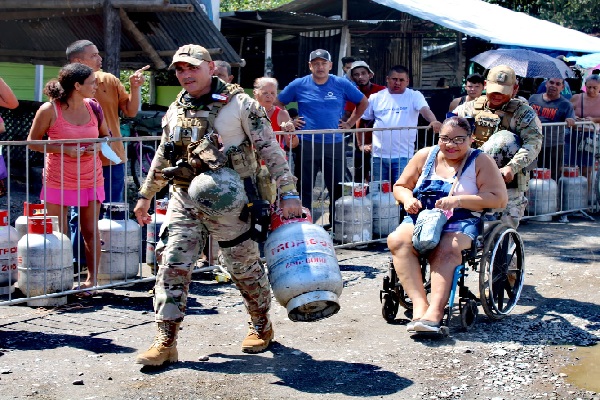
{"x": 86, "y": 293}
{"x": 410, "y": 327}
{"x": 427, "y": 327}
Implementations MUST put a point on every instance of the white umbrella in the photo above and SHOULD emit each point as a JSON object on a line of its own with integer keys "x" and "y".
{"x": 526, "y": 63}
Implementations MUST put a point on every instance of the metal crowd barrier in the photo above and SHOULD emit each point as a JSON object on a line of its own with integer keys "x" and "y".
{"x": 357, "y": 199}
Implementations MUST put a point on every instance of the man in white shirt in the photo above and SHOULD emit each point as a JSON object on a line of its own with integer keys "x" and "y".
{"x": 398, "y": 106}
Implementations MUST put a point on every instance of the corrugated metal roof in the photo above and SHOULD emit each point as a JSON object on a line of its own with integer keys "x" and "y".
{"x": 44, "y": 40}
{"x": 357, "y": 9}
{"x": 475, "y": 18}
{"x": 249, "y": 23}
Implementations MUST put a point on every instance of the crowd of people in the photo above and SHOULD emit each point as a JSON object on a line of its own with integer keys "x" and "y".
{"x": 480, "y": 161}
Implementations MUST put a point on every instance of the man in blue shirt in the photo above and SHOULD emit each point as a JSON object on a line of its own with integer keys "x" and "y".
{"x": 321, "y": 97}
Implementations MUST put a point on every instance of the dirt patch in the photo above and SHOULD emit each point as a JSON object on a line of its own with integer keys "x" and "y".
{"x": 87, "y": 348}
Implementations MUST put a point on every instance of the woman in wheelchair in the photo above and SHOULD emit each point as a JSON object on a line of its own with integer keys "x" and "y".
{"x": 425, "y": 184}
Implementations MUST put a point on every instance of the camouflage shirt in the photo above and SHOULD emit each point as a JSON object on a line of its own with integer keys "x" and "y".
{"x": 524, "y": 123}
{"x": 242, "y": 117}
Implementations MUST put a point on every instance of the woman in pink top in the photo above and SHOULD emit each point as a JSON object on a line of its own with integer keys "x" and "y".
{"x": 73, "y": 171}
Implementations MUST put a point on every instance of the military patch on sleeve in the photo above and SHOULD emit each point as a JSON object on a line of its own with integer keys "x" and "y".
{"x": 528, "y": 117}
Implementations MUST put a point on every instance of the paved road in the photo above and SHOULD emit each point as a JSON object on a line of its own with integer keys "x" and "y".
{"x": 86, "y": 349}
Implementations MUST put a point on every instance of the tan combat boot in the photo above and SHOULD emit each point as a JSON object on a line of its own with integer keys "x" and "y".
{"x": 260, "y": 334}
{"x": 164, "y": 348}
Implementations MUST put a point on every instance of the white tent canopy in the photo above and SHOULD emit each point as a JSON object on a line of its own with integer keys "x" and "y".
{"x": 497, "y": 24}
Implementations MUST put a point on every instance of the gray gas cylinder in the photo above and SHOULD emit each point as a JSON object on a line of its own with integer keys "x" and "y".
{"x": 45, "y": 263}
{"x": 302, "y": 267}
{"x": 33, "y": 210}
{"x": 8, "y": 255}
{"x": 573, "y": 190}
{"x": 386, "y": 213}
{"x": 543, "y": 195}
{"x": 353, "y": 217}
{"x": 120, "y": 244}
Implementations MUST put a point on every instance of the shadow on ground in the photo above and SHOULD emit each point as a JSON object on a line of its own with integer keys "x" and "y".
{"x": 300, "y": 371}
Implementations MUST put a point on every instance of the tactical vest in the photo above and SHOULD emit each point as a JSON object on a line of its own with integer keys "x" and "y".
{"x": 193, "y": 125}
{"x": 488, "y": 122}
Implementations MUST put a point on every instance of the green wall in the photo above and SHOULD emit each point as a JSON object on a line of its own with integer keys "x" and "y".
{"x": 166, "y": 94}
{"x": 21, "y": 78}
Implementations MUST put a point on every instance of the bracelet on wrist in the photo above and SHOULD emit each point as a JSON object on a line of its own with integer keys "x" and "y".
{"x": 141, "y": 196}
{"x": 290, "y": 197}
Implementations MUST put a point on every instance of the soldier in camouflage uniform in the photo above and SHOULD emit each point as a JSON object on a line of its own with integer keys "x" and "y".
{"x": 208, "y": 197}
{"x": 509, "y": 130}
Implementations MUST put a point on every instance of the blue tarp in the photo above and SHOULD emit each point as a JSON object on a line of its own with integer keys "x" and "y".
{"x": 587, "y": 61}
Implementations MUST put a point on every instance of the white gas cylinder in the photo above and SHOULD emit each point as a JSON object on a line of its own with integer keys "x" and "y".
{"x": 302, "y": 267}
{"x": 8, "y": 255}
{"x": 543, "y": 195}
{"x": 120, "y": 244}
{"x": 353, "y": 217}
{"x": 45, "y": 263}
{"x": 386, "y": 213}
{"x": 153, "y": 232}
{"x": 573, "y": 190}
{"x": 31, "y": 210}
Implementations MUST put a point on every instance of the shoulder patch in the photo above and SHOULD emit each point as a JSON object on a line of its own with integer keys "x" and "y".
{"x": 220, "y": 98}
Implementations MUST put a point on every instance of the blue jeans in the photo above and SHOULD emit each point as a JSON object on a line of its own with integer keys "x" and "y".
{"x": 387, "y": 169}
{"x": 324, "y": 157}
{"x": 114, "y": 188}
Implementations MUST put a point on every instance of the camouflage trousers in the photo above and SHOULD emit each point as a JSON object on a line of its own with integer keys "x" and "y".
{"x": 515, "y": 208}
{"x": 182, "y": 238}
{"x": 502, "y": 146}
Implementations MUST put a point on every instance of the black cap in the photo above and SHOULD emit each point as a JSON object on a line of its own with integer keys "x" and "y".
{"x": 319, "y": 53}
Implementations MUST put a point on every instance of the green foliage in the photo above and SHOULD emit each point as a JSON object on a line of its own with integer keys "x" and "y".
{"x": 125, "y": 74}
{"x": 165, "y": 78}
{"x": 581, "y": 15}
{"x": 250, "y": 5}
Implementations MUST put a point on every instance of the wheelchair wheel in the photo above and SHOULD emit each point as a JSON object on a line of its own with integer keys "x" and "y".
{"x": 468, "y": 314}
{"x": 501, "y": 272}
{"x": 389, "y": 307}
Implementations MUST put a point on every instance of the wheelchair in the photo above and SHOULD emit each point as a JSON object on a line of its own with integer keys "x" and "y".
{"x": 497, "y": 255}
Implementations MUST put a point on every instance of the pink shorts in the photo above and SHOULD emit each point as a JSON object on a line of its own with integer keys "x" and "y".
{"x": 70, "y": 197}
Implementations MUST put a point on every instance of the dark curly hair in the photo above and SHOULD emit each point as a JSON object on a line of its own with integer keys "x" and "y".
{"x": 61, "y": 89}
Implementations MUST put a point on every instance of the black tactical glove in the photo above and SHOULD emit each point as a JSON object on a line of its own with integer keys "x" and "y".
{"x": 182, "y": 171}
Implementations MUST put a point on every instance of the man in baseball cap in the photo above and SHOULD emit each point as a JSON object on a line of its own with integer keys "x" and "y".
{"x": 319, "y": 53}
{"x": 321, "y": 97}
{"x": 191, "y": 54}
{"x": 501, "y": 79}
{"x": 510, "y": 131}
{"x": 239, "y": 119}
{"x": 361, "y": 74}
